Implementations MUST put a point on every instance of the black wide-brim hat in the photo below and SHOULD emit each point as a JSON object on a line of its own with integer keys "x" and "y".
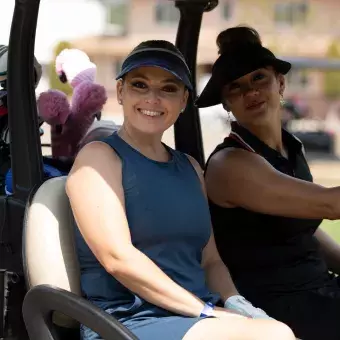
{"x": 234, "y": 64}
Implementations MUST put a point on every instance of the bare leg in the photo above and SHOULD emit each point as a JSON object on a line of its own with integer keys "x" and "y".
{"x": 238, "y": 328}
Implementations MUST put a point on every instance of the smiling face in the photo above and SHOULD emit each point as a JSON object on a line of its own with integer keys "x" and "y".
{"x": 254, "y": 99}
{"x": 152, "y": 99}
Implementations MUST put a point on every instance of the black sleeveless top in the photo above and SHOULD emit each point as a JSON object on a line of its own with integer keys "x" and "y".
{"x": 269, "y": 255}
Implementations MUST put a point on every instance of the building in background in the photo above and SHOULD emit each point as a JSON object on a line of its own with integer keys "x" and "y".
{"x": 298, "y": 30}
{"x": 302, "y": 31}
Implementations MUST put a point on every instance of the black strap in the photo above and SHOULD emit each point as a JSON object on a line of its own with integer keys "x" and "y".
{"x": 12, "y": 292}
{"x": 2, "y": 303}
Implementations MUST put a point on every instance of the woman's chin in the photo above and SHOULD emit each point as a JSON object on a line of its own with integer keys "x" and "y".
{"x": 150, "y": 128}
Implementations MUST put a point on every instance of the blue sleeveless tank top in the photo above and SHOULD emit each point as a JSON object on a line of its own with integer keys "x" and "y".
{"x": 169, "y": 221}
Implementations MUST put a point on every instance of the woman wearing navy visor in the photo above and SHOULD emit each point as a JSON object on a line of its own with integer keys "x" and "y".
{"x": 265, "y": 209}
{"x": 144, "y": 239}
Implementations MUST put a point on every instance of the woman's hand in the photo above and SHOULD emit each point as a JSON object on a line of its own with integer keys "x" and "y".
{"x": 220, "y": 312}
{"x": 240, "y": 304}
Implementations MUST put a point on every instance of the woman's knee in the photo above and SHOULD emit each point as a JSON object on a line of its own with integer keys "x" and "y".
{"x": 238, "y": 328}
{"x": 262, "y": 329}
{"x": 212, "y": 328}
{"x": 282, "y": 332}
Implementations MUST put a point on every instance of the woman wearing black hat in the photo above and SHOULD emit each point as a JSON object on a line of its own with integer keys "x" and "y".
{"x": 144, "y": 232}
{"x": 265, "y": 209}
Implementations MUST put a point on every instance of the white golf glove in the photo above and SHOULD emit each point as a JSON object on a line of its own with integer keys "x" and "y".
{"x": 243, "y": 306}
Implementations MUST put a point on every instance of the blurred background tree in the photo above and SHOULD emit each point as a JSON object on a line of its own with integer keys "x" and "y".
{"x": 332, "y": 78}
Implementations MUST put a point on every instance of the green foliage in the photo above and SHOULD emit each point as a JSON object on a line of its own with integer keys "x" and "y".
{"x": 332, "y": 78}
{"x": 55, "y": 83}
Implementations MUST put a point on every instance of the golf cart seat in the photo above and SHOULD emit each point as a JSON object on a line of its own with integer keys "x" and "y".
{"x": 98, "y": 131}
{"x": 53, "y": 307}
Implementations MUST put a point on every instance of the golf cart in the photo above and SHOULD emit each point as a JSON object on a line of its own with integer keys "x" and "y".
{"x": 40, "y": 295}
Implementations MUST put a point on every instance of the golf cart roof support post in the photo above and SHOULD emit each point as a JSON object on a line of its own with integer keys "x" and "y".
{"x": 23, "y": 119}
{"x": 188, "y": 123}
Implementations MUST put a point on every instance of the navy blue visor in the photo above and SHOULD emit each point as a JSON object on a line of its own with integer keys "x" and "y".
{"x": 158, "y": 57}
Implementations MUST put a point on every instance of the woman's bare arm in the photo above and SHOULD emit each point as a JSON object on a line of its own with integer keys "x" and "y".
{"x": 94, "y": 188}
{"x": 240, "y": 178}
{"x": 217, "y": 273}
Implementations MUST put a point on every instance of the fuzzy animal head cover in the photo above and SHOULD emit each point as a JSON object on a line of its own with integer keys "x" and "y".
{"x": 70, "y": 122}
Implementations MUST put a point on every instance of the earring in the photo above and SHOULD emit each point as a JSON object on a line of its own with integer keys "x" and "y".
{"x": 182, "y": 110}
{"x": 120, "y": 102}
{"x": 282, "y": 101}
